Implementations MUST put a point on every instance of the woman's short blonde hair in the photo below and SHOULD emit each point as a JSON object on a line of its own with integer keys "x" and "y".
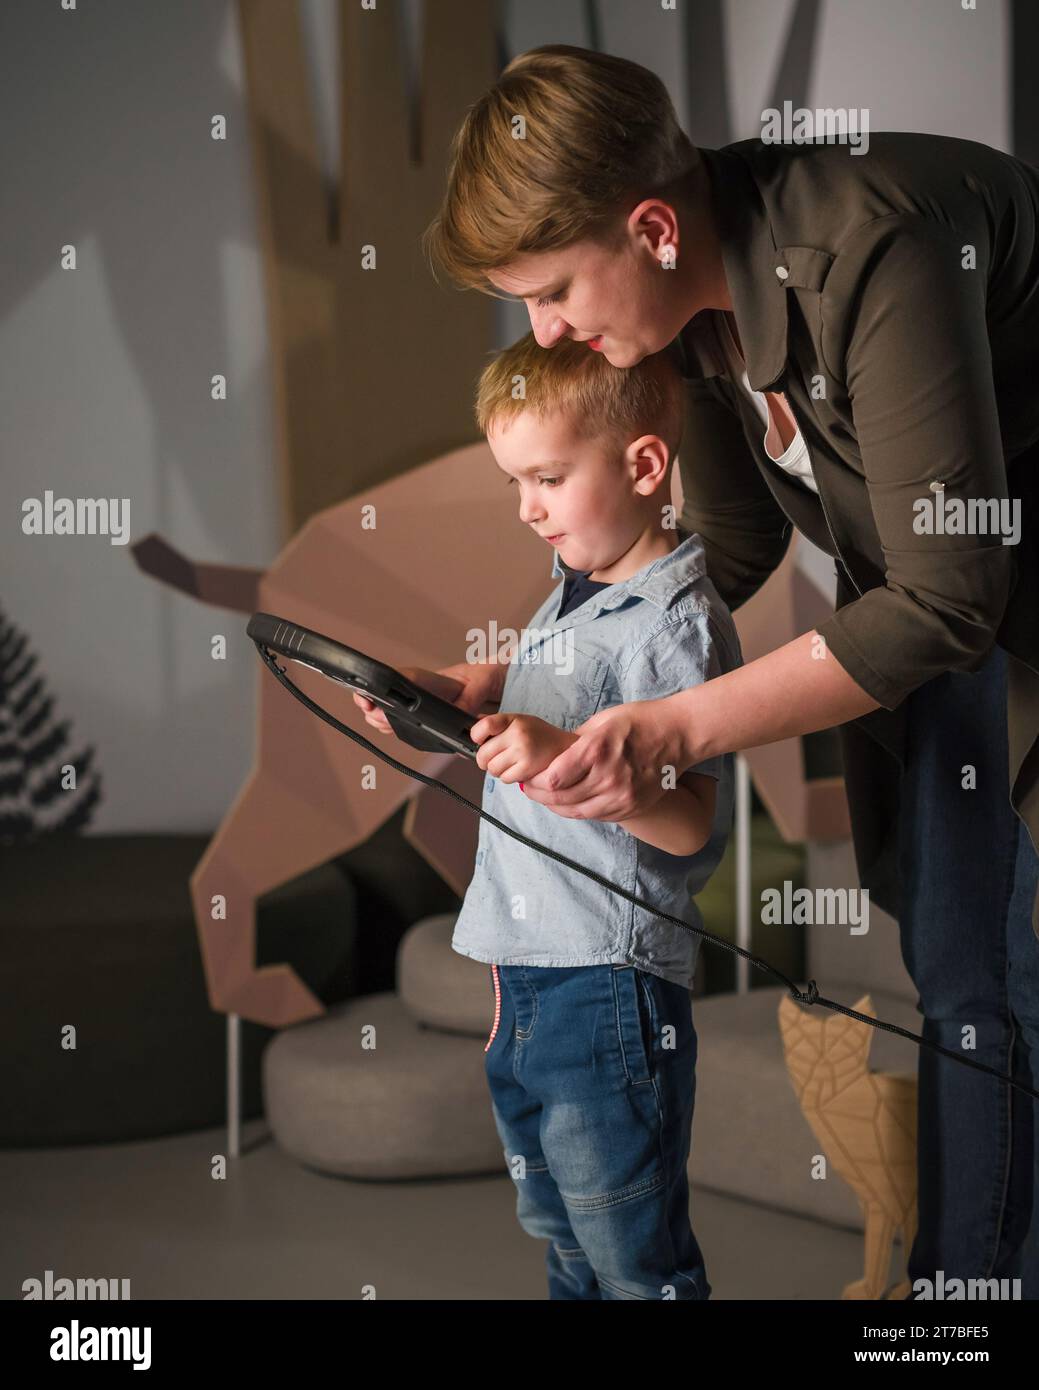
{"x": 597, "y": 399}
{"x": 551, "y": 154}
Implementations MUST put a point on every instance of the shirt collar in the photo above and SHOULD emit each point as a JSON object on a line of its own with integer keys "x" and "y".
{"x": 746, "y": 190}
{"x": 661, "y": 581}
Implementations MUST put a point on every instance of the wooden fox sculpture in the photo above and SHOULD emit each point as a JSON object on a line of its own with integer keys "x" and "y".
{"x": 866, "y": 1124}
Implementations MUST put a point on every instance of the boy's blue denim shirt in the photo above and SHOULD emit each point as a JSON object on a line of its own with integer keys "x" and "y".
{"x": 661, "y": 631}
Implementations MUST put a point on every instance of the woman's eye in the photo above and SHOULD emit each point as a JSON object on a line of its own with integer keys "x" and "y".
{"x": 549, "y": 299}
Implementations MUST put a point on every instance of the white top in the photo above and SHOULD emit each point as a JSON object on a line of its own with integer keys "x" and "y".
{"x": 793, "y": 460}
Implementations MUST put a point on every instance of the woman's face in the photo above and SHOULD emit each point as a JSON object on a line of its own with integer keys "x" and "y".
{"x": 619, "y": 299}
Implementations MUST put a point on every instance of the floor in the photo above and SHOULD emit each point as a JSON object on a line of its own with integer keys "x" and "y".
{"x": 152, "y": 1212}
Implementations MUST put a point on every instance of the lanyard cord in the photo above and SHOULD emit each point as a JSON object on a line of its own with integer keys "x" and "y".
{"x": 809, "y": 996}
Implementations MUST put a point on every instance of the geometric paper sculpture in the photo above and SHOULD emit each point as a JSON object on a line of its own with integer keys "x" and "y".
{"x": 866, "y": 1124}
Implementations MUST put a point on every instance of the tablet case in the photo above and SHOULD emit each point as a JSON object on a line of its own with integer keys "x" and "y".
{"x": 416, "y": 716}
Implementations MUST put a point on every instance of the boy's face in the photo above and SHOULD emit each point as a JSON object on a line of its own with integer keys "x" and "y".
{"x": 577, "y": 493}
{"x": 619, "y": 299}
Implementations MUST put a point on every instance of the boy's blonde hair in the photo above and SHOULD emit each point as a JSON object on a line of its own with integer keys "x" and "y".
{"x": 599, "y": 400}
{"x": 597, "y": 130}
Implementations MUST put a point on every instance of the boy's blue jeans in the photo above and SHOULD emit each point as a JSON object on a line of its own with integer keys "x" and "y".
{"x": 592, "y": 1077}
{"x": 969, "y": 874}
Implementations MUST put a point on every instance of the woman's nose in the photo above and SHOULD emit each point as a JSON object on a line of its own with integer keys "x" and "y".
{"x": 547, "y": 325}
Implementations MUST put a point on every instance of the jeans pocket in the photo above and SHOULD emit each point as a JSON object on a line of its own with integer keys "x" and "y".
{"x": 634, "y": 1025}
{"x": 649, "y": 986}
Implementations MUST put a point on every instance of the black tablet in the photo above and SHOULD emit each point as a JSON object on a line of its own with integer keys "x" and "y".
{"x": 419, "y": 718}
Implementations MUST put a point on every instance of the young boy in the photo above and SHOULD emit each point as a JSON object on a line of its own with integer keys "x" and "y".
{"x": 591, "y": 1056}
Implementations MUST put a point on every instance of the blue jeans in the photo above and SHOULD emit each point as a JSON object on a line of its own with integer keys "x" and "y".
{"x": 969, "y": 874}
{"x": 592, "y": 1076}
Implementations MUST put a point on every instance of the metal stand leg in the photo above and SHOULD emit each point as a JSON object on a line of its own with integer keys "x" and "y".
{"x": 743, "y": 879}
{"x": 234, "y": 1085}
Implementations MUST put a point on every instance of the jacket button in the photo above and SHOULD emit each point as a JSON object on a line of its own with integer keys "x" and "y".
{"x": 782, "y": 271}
{"x": 937, "y": 485}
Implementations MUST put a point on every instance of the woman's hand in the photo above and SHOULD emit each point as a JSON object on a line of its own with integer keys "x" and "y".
{"x": 514, "y": 747}
{"x": 615, "y": 767}
{"x": 471, "y": 686}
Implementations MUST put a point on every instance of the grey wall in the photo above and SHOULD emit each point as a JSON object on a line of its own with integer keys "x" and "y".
{"x": 104, "y": 372}
{"x": 922, "y": 65}
{"x": 105, "y": 383}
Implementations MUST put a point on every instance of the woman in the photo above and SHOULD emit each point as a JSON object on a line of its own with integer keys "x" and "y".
{"x": 861, "y": 337}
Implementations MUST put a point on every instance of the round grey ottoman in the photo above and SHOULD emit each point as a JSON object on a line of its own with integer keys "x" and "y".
{"x": 439, "y": 986}
{"x": 367, "y": 1091}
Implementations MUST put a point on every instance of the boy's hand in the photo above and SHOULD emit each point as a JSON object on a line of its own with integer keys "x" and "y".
{"x": 469, "y": 685}
{"x": 375, "y": 715}
{"x": 514, "y": 747}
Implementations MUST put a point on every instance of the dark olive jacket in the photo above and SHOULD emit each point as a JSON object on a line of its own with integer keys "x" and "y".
{"x": 894, "y": 297}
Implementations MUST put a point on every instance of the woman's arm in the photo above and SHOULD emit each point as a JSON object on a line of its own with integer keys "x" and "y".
{"x": 797, "y": 689}
{"x": 613, "y": 770}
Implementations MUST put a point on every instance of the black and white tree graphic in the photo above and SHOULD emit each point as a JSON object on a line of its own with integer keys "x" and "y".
{"x": 36, "y": 796}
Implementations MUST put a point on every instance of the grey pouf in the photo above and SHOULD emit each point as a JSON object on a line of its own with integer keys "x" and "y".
{"x": 439, "y": 986}
{"x": 416, "y": 1105}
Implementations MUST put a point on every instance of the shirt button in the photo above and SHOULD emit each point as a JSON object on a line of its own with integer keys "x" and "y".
{"x": 490, "y": 786}
{"x": 782, "y": 271}
{"x": 937, "y": 485}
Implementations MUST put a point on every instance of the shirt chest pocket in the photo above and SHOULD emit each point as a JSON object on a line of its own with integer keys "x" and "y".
{"x": 565, "y": 688}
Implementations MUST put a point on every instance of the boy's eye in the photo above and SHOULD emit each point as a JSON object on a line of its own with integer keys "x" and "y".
{"x": 553, "y": 481}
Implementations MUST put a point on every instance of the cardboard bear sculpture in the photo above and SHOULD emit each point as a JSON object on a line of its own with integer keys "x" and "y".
{"x": 866, "y": 1124}
{"x": 408, "y": 572}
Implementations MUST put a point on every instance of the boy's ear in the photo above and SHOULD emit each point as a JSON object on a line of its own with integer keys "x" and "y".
{"x": 661, "y": 448}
